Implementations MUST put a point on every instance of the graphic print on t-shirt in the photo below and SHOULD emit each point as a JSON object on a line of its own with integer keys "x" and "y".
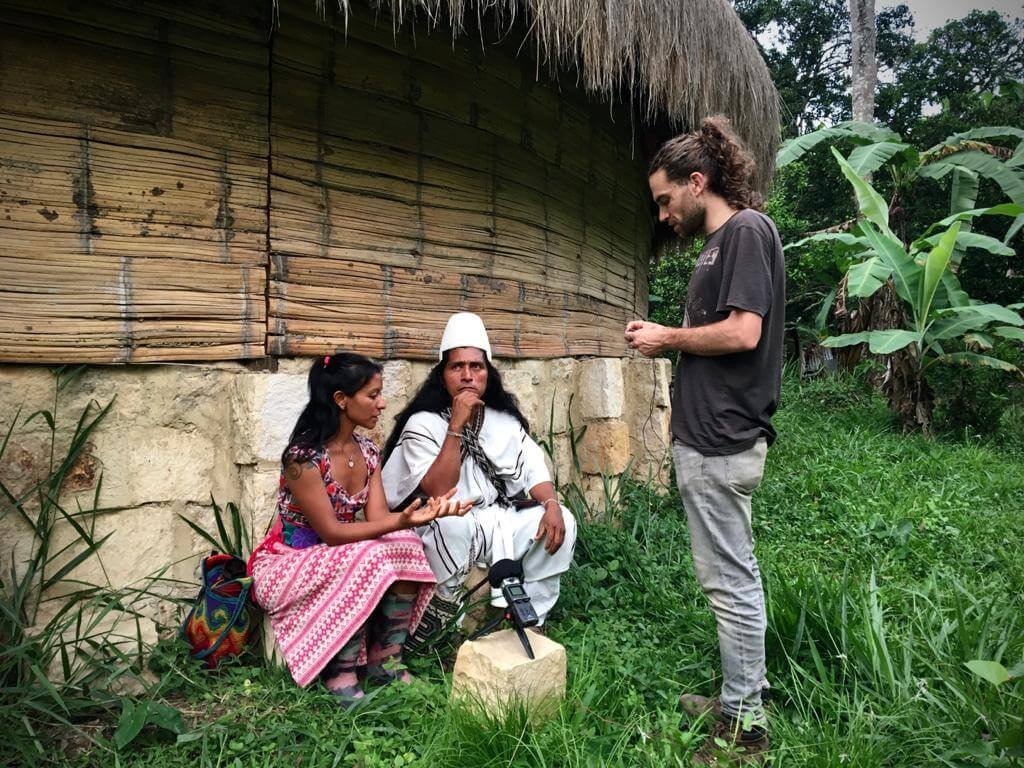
{"x": 707, "y": 258}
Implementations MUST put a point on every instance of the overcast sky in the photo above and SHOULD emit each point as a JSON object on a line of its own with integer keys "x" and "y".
{"x": 929, "y": 14}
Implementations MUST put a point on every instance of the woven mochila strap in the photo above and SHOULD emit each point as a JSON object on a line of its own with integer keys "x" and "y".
{"x": 470, "y": 446}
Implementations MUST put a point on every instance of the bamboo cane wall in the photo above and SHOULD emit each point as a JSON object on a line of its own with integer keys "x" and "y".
{"x": 174, "y": 185}
{"x": 133, "y": 162}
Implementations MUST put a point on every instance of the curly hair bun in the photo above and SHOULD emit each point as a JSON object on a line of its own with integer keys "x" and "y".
{"x": 734, "y": 165}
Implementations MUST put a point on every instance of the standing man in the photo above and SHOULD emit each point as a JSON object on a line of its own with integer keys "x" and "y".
{"x": 726, "y": 390}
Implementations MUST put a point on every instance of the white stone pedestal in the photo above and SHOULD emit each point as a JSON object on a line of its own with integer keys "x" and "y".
{"x": 494, "y": 672}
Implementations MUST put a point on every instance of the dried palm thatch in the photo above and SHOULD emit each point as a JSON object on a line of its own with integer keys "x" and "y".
{"x": 681, "y": 59}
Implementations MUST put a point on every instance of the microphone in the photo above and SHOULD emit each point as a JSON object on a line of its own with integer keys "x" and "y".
{"x": 505, "y": 569}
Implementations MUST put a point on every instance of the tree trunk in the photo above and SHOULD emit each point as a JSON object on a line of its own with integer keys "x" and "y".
{"x": 909, "y": 395}
{"x": 865, "y": 65}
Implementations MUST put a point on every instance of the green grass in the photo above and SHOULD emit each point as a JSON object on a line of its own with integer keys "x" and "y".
{"x": 889, "y": 562}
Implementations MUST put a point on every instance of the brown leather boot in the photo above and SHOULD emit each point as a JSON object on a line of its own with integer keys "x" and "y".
{"x": 729, "y": 745}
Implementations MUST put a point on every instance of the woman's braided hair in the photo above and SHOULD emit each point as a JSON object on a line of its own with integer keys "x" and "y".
{"x": 717, "y": 152}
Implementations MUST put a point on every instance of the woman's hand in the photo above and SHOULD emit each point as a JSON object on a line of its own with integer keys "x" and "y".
{"x": 417, "y": 514}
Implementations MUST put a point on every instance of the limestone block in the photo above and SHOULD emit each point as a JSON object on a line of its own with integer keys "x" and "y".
{"x": 264, "y": 408}
{"x": 284, "y": 398}
{"x": 600, "y": 388}
{"x": 604, "y": 448}
{"x": 521, "y": 384}
{"x": 647, "y": 382}
{"x": 399, "y": 387}
{"x": 477, "y": 615}
{"x": 554, "y": 406}
{"x": 601, "y": 494}
{"x": 418, "y": 372}
{"x": 142, "y": 540}
{"x": 246, "y": 396}
{"x": 28, "y": 387}
{"x": 295, "y": 366}
{"x": 268, "y": 644}
{"x": 561, "y": 466}
{"x": 146, "y": 464}
{"x": 648, "y": 416}
{"x": 664, "y": 375}
{"x": 650, "y": 440}
{"x": 258, "y": 500}
{"x": 494, "y": 672}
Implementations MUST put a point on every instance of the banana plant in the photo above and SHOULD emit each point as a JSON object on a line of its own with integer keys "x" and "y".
{"x": 941, "y": 324}
{"x": 965, "y": 157}
{"x": 944, "y": 324}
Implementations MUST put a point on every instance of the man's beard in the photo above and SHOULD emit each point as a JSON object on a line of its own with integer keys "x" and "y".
{"x": 691, "y": 224}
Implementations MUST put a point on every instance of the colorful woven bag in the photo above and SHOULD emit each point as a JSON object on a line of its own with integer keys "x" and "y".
{"x": 222, "y": 619}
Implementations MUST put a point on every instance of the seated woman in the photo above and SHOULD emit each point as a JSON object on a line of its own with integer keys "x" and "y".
{"x": 463, "y": 428}
{"x": 329, "y": 583}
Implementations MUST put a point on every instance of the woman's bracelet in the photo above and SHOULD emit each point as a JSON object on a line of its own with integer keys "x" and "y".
{"x": 548, "y": 501}
{"x": 457, "y": 435}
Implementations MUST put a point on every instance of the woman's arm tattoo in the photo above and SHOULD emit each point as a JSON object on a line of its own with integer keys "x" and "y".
{"x": 293, "y": 471}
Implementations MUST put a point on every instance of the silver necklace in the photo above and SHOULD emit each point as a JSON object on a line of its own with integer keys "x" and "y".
{"x": 349, "y": 459}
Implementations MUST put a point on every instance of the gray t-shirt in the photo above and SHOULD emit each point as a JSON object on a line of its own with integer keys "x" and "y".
{"x": 722, "y": 405}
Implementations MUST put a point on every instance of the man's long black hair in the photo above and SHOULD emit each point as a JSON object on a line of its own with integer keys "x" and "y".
{"x": 433, "y": 396}
{"x": 319, "y": 421}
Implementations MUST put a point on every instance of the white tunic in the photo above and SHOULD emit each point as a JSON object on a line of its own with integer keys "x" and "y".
{"x": 490, "y": 531}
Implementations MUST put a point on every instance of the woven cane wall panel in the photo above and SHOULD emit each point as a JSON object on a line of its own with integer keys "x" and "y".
{"x": 412, "y": 180}
{"x": 133, "y": 167}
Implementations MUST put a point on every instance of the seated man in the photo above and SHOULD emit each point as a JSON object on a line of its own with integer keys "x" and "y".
{"x": 463, "y": 429}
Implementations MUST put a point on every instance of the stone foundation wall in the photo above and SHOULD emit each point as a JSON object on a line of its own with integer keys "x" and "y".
{"x": 178, "y": 434}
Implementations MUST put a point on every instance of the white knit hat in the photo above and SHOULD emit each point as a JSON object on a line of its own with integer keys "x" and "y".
{"x": 464, "y": 329}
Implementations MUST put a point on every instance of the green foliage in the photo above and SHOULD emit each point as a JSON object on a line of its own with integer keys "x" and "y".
{"x": 806, "y": 45}
{"x": 867, "y": 670}
{"x": 976, "y": 400}
{"x": 234, "y": 543}
{"x": 960, "y": 65}
{"x": 965, "y": 74}
{"x": 941, "y": 316}
{"x": 669, "y": 279}
{"x": 67, "y": 644}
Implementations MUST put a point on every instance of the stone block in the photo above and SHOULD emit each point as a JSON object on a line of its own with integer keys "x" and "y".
{"x": 246, "y": 394}
{"x": 648, "y": 416}
{"x": 651, "y": 446}
{"x": 142, "y": 540}
{"x": 600, "y": 388}
{"x": 601, "y": 495}
{"x": 268, "y": 644}
{"x": 146, "y": 463}
{"x": 554, "y": 405}
{"x": 284, "y": 398}
{"x": 647, "y": 383}
{"x": 494, "y": 673}
{"x": 264, "y": 408}
{"x": 476, "y": 616}
{"x": 258, "y": 499}
{"x": 604, "y": 448}
{"x": 296, "y": 366}
{"x": 522, "y": 384}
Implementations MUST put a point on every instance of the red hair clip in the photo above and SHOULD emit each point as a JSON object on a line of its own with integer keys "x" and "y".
{"x": 327, "y": 359}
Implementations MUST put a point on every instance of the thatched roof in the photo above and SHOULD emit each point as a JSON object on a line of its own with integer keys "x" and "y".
{"x": 685, "y": 59}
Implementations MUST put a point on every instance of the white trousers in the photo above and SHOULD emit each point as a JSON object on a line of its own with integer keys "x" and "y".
{"x": 488, "y": 534}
